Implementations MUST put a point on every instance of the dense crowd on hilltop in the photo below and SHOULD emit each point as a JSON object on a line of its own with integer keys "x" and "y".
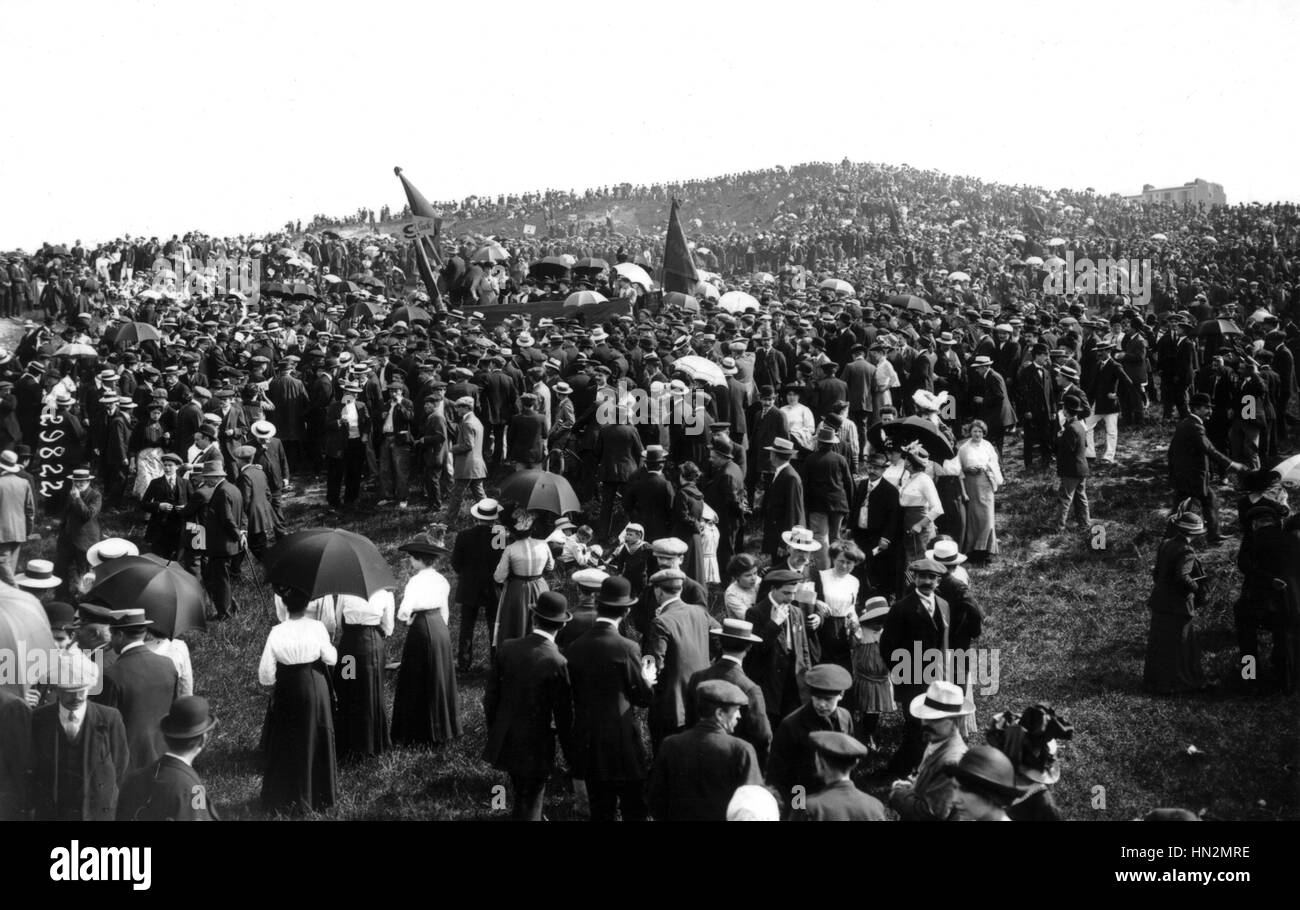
{"x": 787, "y": 474}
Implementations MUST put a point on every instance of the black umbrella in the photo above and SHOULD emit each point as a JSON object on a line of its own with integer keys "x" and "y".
{"x": 591, "y": 265}
{"x": 408, "y": 314}
{"x": 540, "y": 491}
{"x": 276, "y": 289}
{"x": 371, "y": 281}
{"x": 133, "y": 333}
{"x": 550, "y": 267}
{"x": 301, "y": 290}
{"x": 170, "y": 596}
{"x": 363, "y": 309}
{"x": 909, "y": 302}
{"x": 1218, "y": 327}
{"x": 912, "y": 429}
{"x": 324, "y": 561}
{"x": 345, "y": 287}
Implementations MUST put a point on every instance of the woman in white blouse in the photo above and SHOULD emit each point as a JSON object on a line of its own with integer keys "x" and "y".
{"x": 521, "y": 567}
{"x": 742, "y": 593}
{"x": 178, "y": 653}
{"x": 425, "y": 703}
{"x": 919, "y": 500}
{"x": 840, "y": 589}
{"x": 361, "y": 720}
{"x": 982, "y": 476}
{"x": 300, "y": 774}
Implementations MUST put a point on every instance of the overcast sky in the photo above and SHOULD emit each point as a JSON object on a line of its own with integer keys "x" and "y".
{"x": 157, "y": 118}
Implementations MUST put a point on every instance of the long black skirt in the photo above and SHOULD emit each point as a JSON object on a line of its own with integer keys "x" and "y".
{"x": 300, "y": 773}
{"x": 360, "y": 719}
{"x": 424, "y": 705}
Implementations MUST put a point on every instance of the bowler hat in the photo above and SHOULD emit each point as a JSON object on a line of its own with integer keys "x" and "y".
{"x": 616, "y": 591}
{"x": 985, "y": 769}
{"x": 551, "y": 605}
{"x": 189, "y": 717}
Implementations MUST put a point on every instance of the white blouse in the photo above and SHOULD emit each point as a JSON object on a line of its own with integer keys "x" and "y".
{"x": 841, "y": 593}
{"x": 525, "y": 557}
{"x": 427, "y": 590}
{"x": 322, "y": 609}
{"x": 295, "y": 641}
{"x": 179, "y": 654}
{"x": 800, "y": 420}
{"x": 738, "y": 600}
{"x": 975, "y": 456}
{"x": 918, "y": 490}
{"x": 357, "y": 611}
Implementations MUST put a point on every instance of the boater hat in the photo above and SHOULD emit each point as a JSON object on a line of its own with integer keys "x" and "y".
{"x": 736, "y": 630}
{"x": 941, "y": 700}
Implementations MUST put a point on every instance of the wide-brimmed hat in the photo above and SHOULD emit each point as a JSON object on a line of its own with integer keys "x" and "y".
{"x": 941, "y": 700}
{"x": 262, "y": 429}
{"x": 486, "y": 510}
{"x": 190, "y": 716}
{"x": 551, "y": 605}
{"x": 781, "y": 446}
{"x": 39, "y": 574}
{"x": 423, "y": 546}
{"x": 982, "y": 361}
{"x": 736, "y": 630}
{"x": 9, "y": 462}
{"x": 874, "y": 608}
{"x": 799, "y": 538}
{"x": 111, "y": 548}
{"x": 984, "y": 768}
{"x": 916, "y": 450}
{"x": 946, "y": 552}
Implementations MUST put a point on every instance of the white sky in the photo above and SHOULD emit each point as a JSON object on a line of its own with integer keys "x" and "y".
{"x": 157, "y": 118}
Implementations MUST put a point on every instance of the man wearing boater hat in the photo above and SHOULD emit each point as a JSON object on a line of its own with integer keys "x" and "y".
{"x": 474, "y": 559}
{"x": 170, "y": 790}
{"x": 528, "y": 705}
{"x": 609, "y": 679}
{"x": 736, "y": 637}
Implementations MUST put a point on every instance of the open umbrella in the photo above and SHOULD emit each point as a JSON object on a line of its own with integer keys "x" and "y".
{"x": 737, "y": 302}
{"x": 328, "y": 561}
{"x": 918, "y": 429}
{"x": 550, "y": 267}
{"x": 585, "y": 298}
{"x": 364, "y": 309}
{"x": 1159, "y": 237}
{"x": 1056, "y": 241}
{"x": 909, "y": 302}
{"x": 169, "y": 595}
{"x": 1033, "y": 260}
{"x": 540, "y": 491}
{"x": 676, "y": 300}
{"x": 591, "y": 265}
{"x": 493, "y": 252}
{"x": 958, "y": 276}
{"x": 837, "y": 285}
{"x": 301, "y": 290}
{"x": 635, "y": 274}
{"x": 697, "y": 367}
{"x": 134, "y": 333}
{"x": 706, "y": 290}
{"x": 76, "y": 350}
{"x": 765, "y": 278}
{"x": 24, "y": 630}
{"x": 408, "y": 314}
{"x": 1218, "y": 327}
{"x": 371, "y": 282}
{"x": 346, "y": 287}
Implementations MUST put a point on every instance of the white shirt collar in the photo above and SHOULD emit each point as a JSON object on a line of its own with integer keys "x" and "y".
{"x": 549, "y": 636}
{"x": 179, "y": 758}
{"x": 734, "y": 658}
{"x": 608, "y": 620}
{"x": 79, "y": 713}
{"x": 128, "y": 647}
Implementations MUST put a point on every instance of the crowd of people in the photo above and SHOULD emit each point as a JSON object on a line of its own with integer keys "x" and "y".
{"x": 783, "y": 495}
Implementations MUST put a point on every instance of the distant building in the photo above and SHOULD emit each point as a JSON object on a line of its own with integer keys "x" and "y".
{"x": 1197, "y": 192}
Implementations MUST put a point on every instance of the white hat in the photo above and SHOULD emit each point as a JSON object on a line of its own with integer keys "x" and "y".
{"x": 486, "y": 509}
{"x": 945, "y": 551}
{"x": 111, "y": 548}
{"x": 798, "y": 538}
{"x": 941, "y": 700}
{"x": 72, "y": 671}
{"x": 752, "y": 803}
{"x": 263, "y": 429}
{"x": 589, "y": 578}
{"x": 464, "y": 401}
{"x": 39, "y": 574}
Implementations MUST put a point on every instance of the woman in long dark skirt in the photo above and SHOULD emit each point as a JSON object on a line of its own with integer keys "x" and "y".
{"x": 687, "y": 515}
{"x": 425, "y": 709}
{"x": 300, "y": 773}
{"x": 1173, "y": 662}
{"x": 360, "y": 719}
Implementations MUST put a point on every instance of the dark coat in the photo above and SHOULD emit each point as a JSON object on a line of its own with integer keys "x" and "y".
{"x": 762, "y": 430}
{"x": 841, "y": 802}
{"x": 527, "y": 438}
{"x": 908, "y": 624}
{"x": 141, "y": 685}
{"x": 1190, "y": 455}
{"x": 169, "y": 790}
{"x": 828, "y": 482}
{"x": 165, "y": 527}
{"x": 770, "y": 662}
{"x": 679, "y": 642}
{"x": 619, "y": 449}
{"x": 648, "y": 501}
{"x": 254, "y": 490}
{"x": 753, "y": 726}
{"x": 80, "y": 527}
{"x": 498, "y": 399}
{"x": 1108, "y": 388}
{"x": 605, "y": 676}
{"x": 1072, "y": 449}
{"x": 15, "y": 755}
{"x": 223, "y": 519}
{"x": 696, "y": 772}
{"x": 528, "y": 705}
{"x": 783, "y": 508}
{"x": 474, "y": 559}
{"x": 791, "y": 763}
{"x": 105, "y": 757}
{"x": 273, "y": 460}
{"x": 289, "y": 395}
{"x": 1178, "y": 578}
{"x": 336, "y": 428}
{"x": 994, "y": 407}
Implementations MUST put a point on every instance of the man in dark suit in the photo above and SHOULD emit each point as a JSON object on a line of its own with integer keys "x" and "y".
{"x": 15, "y": 756}
{"x": 766, "y": 423}
{"x": 233, "y": 429}
{"x": 289, "y": 395}
{"x": 1110, "y": 386}
{"x": 609, "y": 681}
{"x": 783, "y": 503}
{"x": 838, "y": 800}
{"x": 724, "y": 492}
{"x": 619, "y": 451}
{"x": 828, "y": 391}
{"x": 435, "y": 453}
{"x": 259, "y": 517}
{"x": 272, "y": 458}
{"x": 393, "y": 428}
{"x": 678, "y": 640}
{"x": 879, "y": 531}
{"x": 859, "y": 376}
{"x": 79, "y": 752}
{"x": 921, "y": 625}
{"x": 828, "y": 487}
{"x": 1037, "y": 406}
{"x": 780, "y": 662}
{"x": 141, "y": 685}
{"x": 498, "y": 402}
{"x": 736, "y": 637}
{"x": 1190, "y": 455}
{"x": 527, "y": 447}
{"x": 474, "y": 559}
{"x": 224, "y": 525}
{"x": 164, "y": 500}
{"x": 79, "y": 530}
{"x": 989, "y": 400}
{"x": 648, "y": 496}
{"x": 791, "y": 769}
{"x": 347, "y": 428}
{"x": 695, "y": 773}
{"x": 169, "y": 790}
{"x": 667, "y": 553}
{"x": 528, "y": 705}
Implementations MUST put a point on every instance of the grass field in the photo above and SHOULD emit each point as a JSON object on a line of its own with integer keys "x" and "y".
{"x": 1069, "y": 622}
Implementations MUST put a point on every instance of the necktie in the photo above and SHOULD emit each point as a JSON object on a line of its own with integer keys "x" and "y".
{"x": 70, "y": 725}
